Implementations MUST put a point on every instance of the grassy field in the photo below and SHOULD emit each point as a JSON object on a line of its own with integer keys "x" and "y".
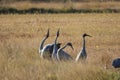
{"x": 53, "y": 5}
{"x": 20, "y": 36}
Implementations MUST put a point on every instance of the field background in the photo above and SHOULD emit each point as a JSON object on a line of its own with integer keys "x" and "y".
{"x": 60, "y": 5}
{"x": 20, "y": 37}
{"x": 67, "y": 6}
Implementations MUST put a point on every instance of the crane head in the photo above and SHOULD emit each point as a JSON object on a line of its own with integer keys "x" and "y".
{"x": 47, "y": 35}
{"x": 58, "y": 32}
{"x": 70, "y": 44}
{"x": 84, "y": 35}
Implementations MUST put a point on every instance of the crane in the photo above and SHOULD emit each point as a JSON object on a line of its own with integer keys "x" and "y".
{"x": 83, "y": 55}
{"x": 116, "y": 63}
{"x": 46, "y": 51}
{"x": 55, "y": 48}
{"x": 62, "y": 55}
{"x": 43, "y": 41}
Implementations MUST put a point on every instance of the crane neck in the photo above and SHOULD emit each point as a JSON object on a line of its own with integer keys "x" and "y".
{"x": 55, "y": 46}
{"x": 64, "y": 47}
{"x": 83, "y": 42}
{"x": 55, "y": 41}
{"x": 42, "y": 43}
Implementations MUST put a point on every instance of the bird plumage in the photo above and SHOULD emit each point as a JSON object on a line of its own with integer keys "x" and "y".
{"x": 42, "y": 43}
{"x": 55, "y": 48}
{"x": 83, "y": 55}
{"x": 62, "y": 55}
{"x": 116, "y": 63}
{"x": 46, "y": 51}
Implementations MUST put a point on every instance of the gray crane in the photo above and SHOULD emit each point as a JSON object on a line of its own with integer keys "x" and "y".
{"x": 82, "y": 55}
{"x": 55, "y": 48}
{"x": 62, "y": 55}
{"x": 43, "y": 41}
{"x": 46, "y": 51}
{"x": 116, "y": 63}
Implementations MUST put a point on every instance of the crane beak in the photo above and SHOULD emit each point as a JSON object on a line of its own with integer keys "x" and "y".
{"x": 58, "y": 32}
{"x": 89, "y": 35}
{"x": 47, "y": 35}
{"x": 72, "y": 47}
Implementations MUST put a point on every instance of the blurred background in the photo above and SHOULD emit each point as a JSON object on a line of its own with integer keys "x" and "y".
{"x": 59, "y": 6}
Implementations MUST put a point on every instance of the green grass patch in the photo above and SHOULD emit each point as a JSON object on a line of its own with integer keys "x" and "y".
{"x": 4, "y": 10}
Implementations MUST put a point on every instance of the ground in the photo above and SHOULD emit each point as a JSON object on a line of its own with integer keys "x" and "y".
{"x": 20, "y": 37}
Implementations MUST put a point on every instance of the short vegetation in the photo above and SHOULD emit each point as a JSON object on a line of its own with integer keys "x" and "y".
{"x": 58, "y": 6}
{"x": 20, "y": 36}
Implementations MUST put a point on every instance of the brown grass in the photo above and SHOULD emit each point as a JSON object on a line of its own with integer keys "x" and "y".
{"x": 20, "y": 36}
{"x": 75, "y": 5}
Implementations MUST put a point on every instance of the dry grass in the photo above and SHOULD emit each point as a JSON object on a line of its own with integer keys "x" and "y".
{"x": 75, "y": 5}
{"x": 20, "y": 36}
